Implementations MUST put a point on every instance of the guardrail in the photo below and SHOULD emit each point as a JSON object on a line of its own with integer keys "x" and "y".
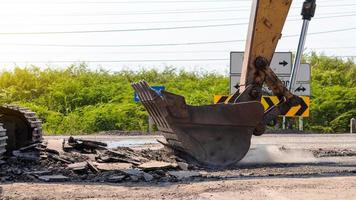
{"x": 352, "y": 125}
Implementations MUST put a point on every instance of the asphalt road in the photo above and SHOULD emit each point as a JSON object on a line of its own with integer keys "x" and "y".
{"x": 300, "y": 141}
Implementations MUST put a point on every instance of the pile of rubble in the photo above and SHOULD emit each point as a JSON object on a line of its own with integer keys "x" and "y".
{"x": 91, "y": 161}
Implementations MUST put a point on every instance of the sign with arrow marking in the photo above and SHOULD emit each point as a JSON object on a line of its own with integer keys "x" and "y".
{"x": 281, "y": 63}
{"x": 302, "y": 83}
{"x": 284, "y": 63}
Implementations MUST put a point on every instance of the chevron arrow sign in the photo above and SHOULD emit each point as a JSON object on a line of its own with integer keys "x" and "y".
{"x": 269, "y": 101}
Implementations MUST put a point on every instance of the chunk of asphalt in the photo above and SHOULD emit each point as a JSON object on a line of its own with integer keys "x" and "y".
{"x": 113, "y": 166}
{"x": 148, "y": 177}
{"x": 77, "y": 166}
{"x": 53, "y": 178}
{"x": 132, "y": 172}
{"x": 183, "y": 166}
{"x": 155, "y": 165}
{"x": 39, "y": 173}
{"x": 180, "y": 175}
{"x": 116, "y": 178}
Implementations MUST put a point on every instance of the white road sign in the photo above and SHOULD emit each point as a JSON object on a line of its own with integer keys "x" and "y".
{"x": 302, "y": 83}
{"x": 301, "y": 88}
{"x": 281, "y": 63}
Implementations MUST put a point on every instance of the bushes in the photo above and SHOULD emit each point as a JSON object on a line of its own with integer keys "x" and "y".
{"x": 333, "y": 100}
{"x": 78, "y": 100}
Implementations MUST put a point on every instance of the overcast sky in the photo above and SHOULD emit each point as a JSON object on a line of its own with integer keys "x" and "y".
{"x": 200, "y": 33}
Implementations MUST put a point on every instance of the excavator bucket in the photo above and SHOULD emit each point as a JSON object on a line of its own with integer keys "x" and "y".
{"x": 217, "y": 136}
{"x": 213, "y": 136}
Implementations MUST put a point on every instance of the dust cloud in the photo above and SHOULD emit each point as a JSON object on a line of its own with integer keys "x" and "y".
{"x": 275, "y": 154}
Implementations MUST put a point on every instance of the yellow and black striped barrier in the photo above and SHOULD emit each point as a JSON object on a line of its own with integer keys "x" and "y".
{"x": 269, "y": 101}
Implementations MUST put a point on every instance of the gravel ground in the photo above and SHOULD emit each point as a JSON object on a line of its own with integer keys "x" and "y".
{"x": 289, "y": 166}
{"x": 254, "y": 189}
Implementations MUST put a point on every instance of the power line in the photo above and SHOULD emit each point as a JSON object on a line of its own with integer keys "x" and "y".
{"x": 121, "y": 30}
{"x": 150, "y": 29}
{"x": 337, "y": 5}
{"x": 134, "y": 22}
{"x": 127, "y": 52}
{"x": 164, "y": 52}
{"x": 174, "y": 44}
{"x": 326, "y": 48}
{"x": 331, "y": 31}
{"x": 120, "y": 61}
{"x": 134, "y": 61}
{"x": 128, "y": 45}
{"x": 176, "y": 11}
{"x": 177, "y": 21}
{"x": 126, "y": 2}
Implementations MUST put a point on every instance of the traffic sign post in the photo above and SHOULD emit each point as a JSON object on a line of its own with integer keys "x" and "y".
{"x": 302, "y": 86}
{"x": 308, "y": 11}
{"x": 352, "y": 125}
{"x": 281, "y": 64}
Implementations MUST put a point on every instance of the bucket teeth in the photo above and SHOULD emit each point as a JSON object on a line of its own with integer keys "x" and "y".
{"x": 153, "y": 103}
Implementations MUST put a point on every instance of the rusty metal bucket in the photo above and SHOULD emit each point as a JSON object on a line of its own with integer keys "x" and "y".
{"x": 213, "y": 136}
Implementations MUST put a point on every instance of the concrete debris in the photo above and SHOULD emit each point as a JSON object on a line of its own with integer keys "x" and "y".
{"x": 91, "y": 161}
{"x": 2, "y": 162}
{"x": 116, "y": 178}
{"x": 92, "y": 167}
{"x": 180, "y": 175}
{"x": 133, "y": 172}
{"x": 136, "y": 175}
{"x": 40, "y": 173}
{"x": 58, "y": 158}
{"x": 86, "y": 146}
{"x": 154, "y": 165}
{"x": 30, "y": 156}
{"x": 30, "y": 152}
{"x": 66, "y": 147}
{"x": 53, "y": 178}
{"x": 148, "y": 177}
{"x": 183, "y": 166}
{"x": 78, "y": 166}
{"x": 134, "y": 178}
{"x": 113, "y": 166}
{"x": 122, "y": 154}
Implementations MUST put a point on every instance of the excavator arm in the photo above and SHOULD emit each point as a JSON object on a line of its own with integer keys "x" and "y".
{"x": 265, "y": 29}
